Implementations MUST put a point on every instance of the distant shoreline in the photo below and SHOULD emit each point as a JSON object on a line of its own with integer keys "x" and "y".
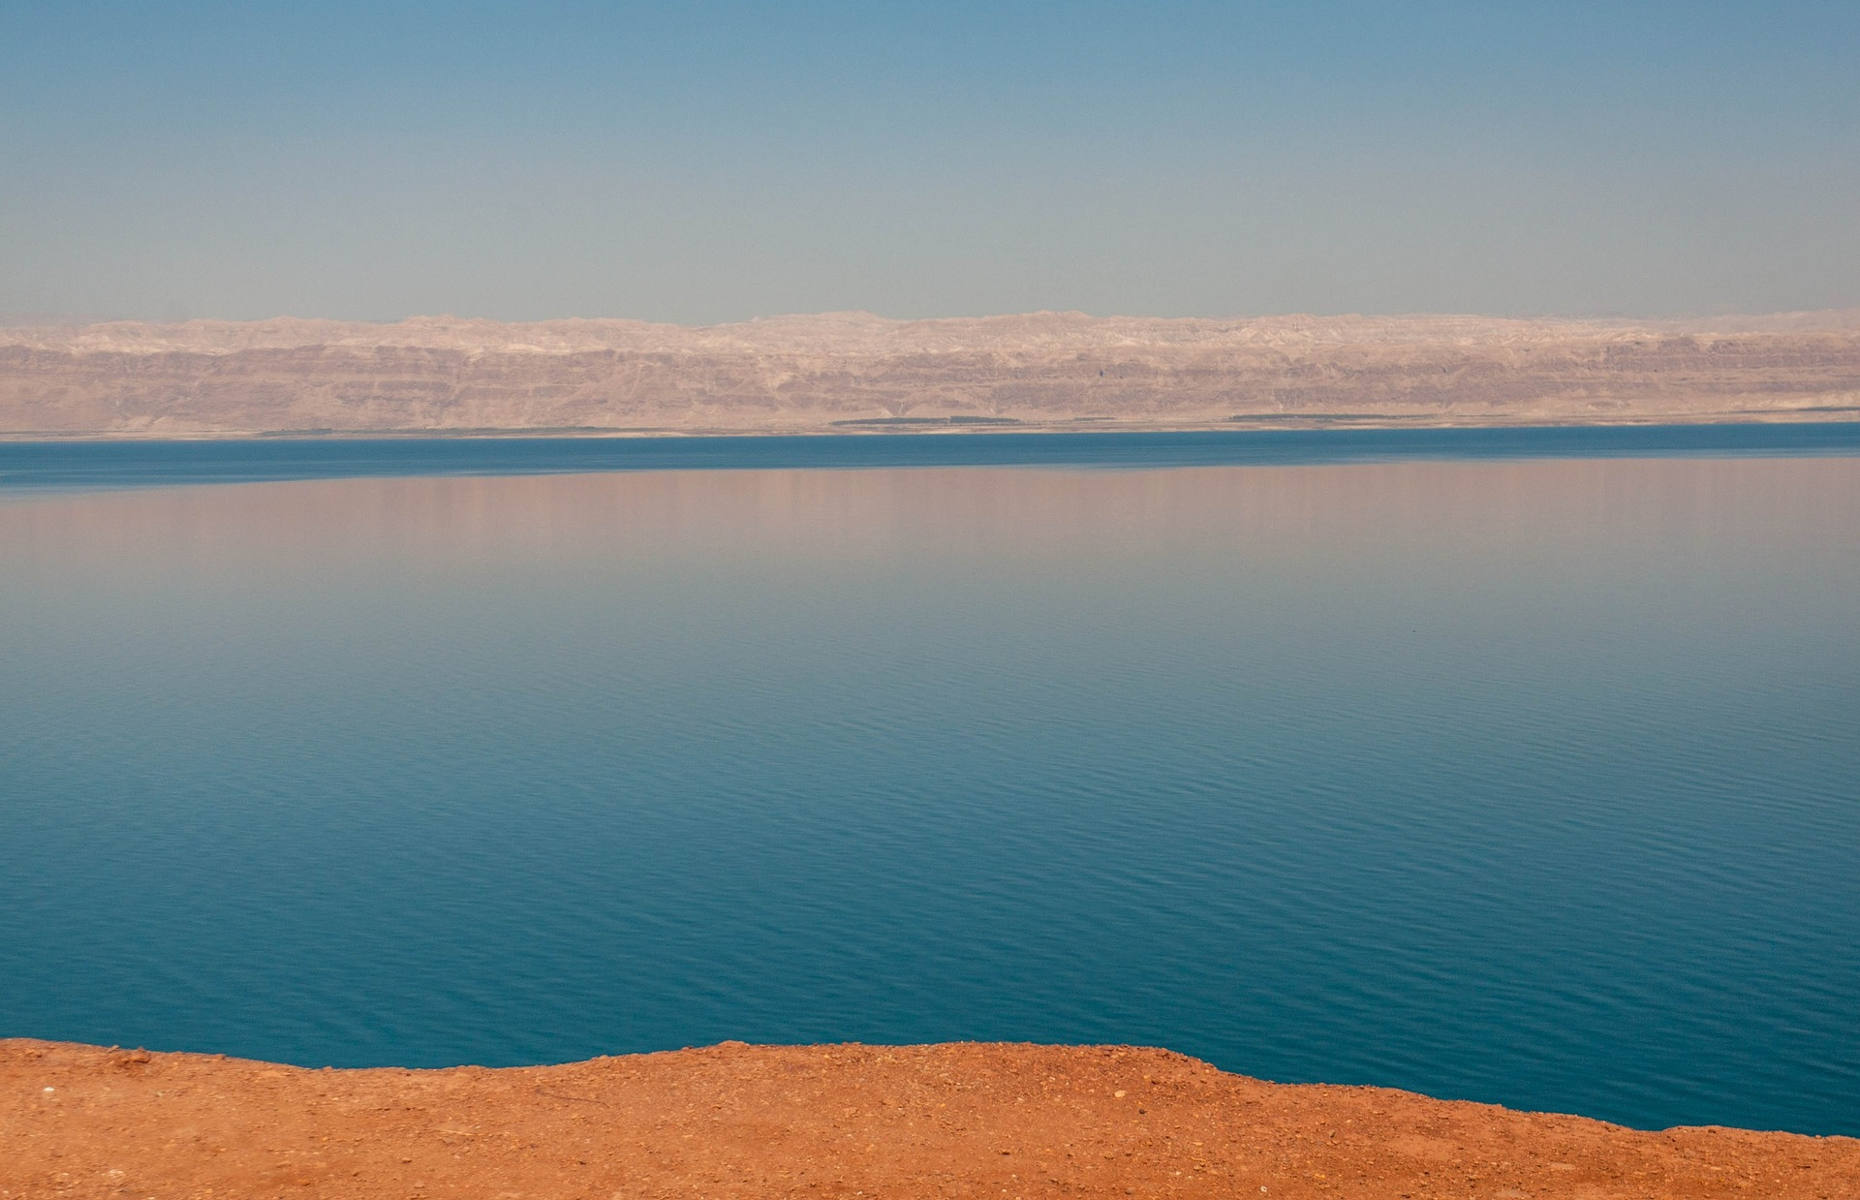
{"x": 1821, "y": 415}
{"x": 29, "y": 466}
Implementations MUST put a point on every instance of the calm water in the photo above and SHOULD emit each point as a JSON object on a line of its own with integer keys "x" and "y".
{"x": 1472, "y": 768}
{"x": 83, "y": 465}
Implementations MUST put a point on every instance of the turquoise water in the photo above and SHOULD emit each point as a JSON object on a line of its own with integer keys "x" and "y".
{"x": 80, "y": 465}
{"x": 1525, "y": 771}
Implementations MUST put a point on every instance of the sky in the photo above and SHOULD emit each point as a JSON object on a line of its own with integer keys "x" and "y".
{"x": 707, "y": 162}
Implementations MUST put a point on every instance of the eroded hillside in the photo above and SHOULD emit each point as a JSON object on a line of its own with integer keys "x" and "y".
{"x": 849, "y": 371}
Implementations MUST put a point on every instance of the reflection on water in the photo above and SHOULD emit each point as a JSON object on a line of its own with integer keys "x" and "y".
{"x": 1529, "y": 781}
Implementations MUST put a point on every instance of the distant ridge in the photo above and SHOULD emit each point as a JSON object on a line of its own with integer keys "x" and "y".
{"x": 854, "y": 371}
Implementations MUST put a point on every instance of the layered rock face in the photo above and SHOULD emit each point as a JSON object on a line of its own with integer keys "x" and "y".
{"x": 854, "y": 371}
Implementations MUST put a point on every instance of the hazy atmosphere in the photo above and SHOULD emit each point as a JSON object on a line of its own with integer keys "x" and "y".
{"x": 1038, "y": 600}
{"x": 701, "y": 163}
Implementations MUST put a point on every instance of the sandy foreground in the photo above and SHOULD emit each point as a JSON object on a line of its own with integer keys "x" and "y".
{"x": 736, "y": 1120}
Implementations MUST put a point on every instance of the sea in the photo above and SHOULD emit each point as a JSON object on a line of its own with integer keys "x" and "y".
{"x": 1519, "y": 765}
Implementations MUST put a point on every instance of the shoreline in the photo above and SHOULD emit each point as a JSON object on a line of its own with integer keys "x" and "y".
{"x": 835, "y": 1120}
{"x": 1828, "y": 415}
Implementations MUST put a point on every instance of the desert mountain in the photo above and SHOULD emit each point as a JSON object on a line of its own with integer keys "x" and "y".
{"x": 848, "y": 371}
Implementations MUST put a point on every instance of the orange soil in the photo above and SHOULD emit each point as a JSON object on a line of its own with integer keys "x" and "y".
{"x": 734, "y": 1120}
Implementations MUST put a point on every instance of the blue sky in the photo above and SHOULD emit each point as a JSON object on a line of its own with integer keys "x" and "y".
{"x": 709, "y": 162}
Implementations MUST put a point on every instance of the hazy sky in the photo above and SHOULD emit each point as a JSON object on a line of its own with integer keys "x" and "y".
{"x": 703, "y": 162}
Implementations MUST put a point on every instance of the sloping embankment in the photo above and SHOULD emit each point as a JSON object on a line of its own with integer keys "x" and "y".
{"x": 736, "y": 1120}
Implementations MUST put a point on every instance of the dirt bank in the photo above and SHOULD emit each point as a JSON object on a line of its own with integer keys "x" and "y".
{"x": 735, "y": 1120}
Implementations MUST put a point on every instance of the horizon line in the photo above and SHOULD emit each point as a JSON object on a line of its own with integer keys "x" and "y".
{"x": 80, "y": 320}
